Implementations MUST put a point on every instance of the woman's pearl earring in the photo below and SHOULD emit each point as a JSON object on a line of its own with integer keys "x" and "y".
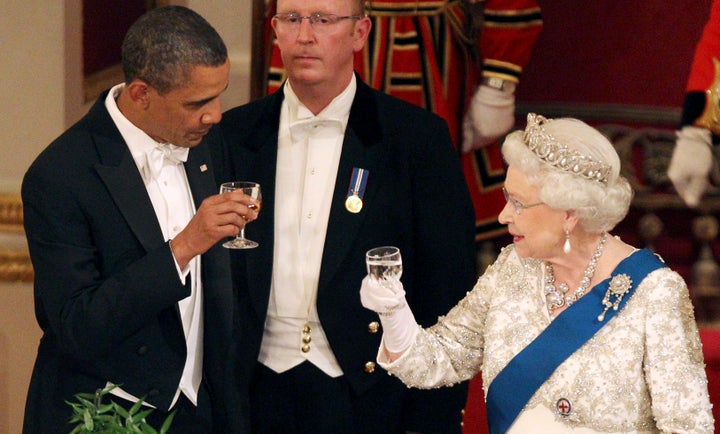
{"x": 567, "y": 247}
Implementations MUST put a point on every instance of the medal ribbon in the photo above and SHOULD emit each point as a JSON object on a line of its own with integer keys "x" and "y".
{"x": 358, "y": 182}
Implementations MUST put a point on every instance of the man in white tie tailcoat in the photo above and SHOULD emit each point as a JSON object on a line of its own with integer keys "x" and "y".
{"x": 123, "y": 220}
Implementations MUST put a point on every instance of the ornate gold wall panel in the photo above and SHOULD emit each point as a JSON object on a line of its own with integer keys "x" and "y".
{"x": 15, "y": 263}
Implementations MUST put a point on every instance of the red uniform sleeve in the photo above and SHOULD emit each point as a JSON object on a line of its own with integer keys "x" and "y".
{"x": 508, "y": 36}
{"x": 702, "y": 72}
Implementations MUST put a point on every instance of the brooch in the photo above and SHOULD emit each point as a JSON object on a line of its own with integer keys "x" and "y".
{"x": 619, "y": 286}
{"x": 563, "y": 407}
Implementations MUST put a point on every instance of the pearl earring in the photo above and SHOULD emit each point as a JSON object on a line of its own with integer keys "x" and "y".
{"x": 567, "y": 247}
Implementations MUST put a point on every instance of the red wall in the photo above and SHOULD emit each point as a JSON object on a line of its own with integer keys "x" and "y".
{"x": 634, "y": 52}
{"x": 104, "y": 25}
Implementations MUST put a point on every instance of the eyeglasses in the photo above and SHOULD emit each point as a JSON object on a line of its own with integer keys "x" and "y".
{"x": 319, "y": 22}
{"x": 517, "y": 205}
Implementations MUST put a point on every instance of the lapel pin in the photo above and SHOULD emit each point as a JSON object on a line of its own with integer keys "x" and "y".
{"x": 203, "y": 168}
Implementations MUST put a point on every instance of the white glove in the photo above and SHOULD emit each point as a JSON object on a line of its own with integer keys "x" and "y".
{"x": 387, "y": 298}
{"x": 691, "y": 163}
{"x": 490, "y": 115}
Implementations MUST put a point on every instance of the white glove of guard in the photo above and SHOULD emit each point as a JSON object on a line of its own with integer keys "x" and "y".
{"x": 387, "y": 298}
{"x": 691, "y": 163}
{"x": 490, "y": 115}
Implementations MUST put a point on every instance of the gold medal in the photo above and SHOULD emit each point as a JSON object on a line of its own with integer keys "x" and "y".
{"x": 353, "y": 204}
{"x": 356, "y": 190}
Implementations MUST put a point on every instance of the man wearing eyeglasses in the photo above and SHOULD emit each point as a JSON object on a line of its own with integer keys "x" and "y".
{"x": 460, "y": 59}
{"x": 344, "y": 168}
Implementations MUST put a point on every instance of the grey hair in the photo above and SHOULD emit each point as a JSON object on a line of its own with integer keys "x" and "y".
{"x": 599, "y": 206}
{"x": 164, "y": 44}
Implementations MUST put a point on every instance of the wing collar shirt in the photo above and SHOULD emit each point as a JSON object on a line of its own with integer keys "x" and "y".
{"x": 309, "y": 148}
{"x": 160, "y": 165}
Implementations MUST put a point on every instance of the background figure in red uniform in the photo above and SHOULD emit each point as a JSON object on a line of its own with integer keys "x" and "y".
{"x": 461, "y": 59}
{"x": 693, "y": 161}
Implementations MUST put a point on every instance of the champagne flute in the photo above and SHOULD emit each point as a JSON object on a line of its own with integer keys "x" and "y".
{"x": 384, "y": 264}
{"x": 251, "y": 189}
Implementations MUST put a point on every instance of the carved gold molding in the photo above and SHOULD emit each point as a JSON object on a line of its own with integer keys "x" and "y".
{"x": 11, "y": 213}
{"x": 15, "y": 265}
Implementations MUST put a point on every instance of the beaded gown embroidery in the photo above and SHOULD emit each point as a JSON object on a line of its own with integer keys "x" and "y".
{"x": 642, "y": 372}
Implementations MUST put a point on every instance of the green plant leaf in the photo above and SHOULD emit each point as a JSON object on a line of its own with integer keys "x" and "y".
{"x": 121, "y": 411}
{"x": 105, "y": 408}
{"x": 88, "y": 420}
{"x": 136, "y": 407}
{"x": 140, "y": 416}
{"x": 91, "y": 416}
{"x": 166, "y": 425}
{"x": 87, "y": 403}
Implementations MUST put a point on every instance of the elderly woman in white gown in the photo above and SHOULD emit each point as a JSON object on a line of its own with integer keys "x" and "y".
{"x": 573, "y": 329}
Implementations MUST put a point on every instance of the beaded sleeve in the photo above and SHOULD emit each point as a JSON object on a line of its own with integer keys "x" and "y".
{"x": 643, "y": 371}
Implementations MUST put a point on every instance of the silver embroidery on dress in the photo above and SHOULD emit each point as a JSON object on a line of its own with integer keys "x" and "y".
{"x": 628, "y": 376}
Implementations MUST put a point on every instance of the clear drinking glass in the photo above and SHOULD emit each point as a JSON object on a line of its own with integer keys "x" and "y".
{"x": 384, "y": 263}
{"x": 252, "y": 189}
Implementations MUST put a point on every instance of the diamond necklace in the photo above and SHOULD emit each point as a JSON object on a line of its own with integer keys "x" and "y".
{"x": 557, "y": 297}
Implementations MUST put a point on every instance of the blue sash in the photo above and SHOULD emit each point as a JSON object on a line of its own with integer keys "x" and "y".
{"x": 528, "y": 370}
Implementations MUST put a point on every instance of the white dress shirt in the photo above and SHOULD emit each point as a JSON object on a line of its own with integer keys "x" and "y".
{"x": 309, "y": 149}
{"x": 169, "y": 191}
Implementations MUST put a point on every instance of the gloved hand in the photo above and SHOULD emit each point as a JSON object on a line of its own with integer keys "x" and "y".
{"x": 691, "y": 163}
{"x": 387, "y": 298}
{"x": 490, "y": 115}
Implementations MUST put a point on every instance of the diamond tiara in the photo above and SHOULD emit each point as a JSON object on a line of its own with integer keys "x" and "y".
{"x": 554, "y": 153}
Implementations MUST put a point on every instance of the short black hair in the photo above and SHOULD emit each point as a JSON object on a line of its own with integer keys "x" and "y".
{"x": 165, "y": 43}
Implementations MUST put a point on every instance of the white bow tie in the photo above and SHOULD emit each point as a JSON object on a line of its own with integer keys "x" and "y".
{"x": 301, "y": 129}
{"x": 164, "y": 154}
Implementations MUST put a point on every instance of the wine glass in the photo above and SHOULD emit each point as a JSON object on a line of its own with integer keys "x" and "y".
{"x": 252, "y": 189}
{"x": 384, "y": 264}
